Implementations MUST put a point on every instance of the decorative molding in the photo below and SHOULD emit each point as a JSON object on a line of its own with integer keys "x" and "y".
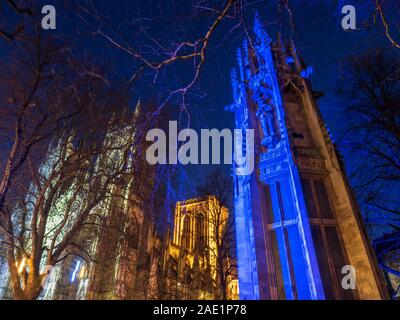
{"x": 311, "y": 164}
{"x": 308, "y": 152}
{"x": 285, "y": 223}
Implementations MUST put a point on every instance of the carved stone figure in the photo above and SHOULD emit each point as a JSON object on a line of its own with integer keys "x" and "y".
{"x": 266, "y": 114}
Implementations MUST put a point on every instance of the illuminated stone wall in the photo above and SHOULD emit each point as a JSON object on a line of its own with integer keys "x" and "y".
{"x": 4, "y": 278}
{"x": 122, "y": 244}
{"x": 296, "y": 222}
{"x": 192, "y": 254}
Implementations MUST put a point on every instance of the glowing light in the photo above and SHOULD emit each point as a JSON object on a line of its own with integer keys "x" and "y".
{"x": 78, "y": 263}
{"x": 82, "y": 272}
{"x": 22, "y": 265}
{"x": 307, "y": 72}
{"x": 289, "y": 60}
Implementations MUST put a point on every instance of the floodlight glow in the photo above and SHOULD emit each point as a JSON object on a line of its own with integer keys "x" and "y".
{"x": 22, "y": 265}
{"x": 78, "y": 263}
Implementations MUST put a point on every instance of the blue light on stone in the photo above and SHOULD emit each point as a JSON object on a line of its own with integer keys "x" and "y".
{"x": 298, "y": 264}
{"x": 289, "y": 60}
{"x": 76, "y": 269}
{"x": 306, "y": 73}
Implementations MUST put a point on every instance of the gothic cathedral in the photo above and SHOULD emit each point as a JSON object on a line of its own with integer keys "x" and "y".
{"x": 298, "y": 229}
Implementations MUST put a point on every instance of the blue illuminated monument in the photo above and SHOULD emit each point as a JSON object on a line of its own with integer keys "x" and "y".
{"x": 299, "y": 233}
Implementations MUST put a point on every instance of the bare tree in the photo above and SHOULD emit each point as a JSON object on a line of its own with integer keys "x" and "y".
{"x": 40, "y": 97}
{"x": 219, "y": 188}
{"x": 19, "y": 11}
{"x": 82, "y": 187}
{"x": 48, "y": 194}
{"x": 388, "y": 24}
{"x": 370, "y": 91}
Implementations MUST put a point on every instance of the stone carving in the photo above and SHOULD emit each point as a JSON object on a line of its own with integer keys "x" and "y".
{"x": 266, "y": 114}
{"x": 314, "y": 165}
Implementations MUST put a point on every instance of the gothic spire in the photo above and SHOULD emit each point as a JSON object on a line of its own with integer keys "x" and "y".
{"x": 262, "y": 36}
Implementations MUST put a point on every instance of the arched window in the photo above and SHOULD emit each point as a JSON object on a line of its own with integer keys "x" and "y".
{"x": 200, "y": 232}
{"x": 133, "y": 236}
{"x": 186, "y": 233}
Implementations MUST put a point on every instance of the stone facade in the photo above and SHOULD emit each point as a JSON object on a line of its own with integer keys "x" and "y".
{"x": 118, "y": 256}
{"x": 191, "y": 261}
{"x": 297, "y": 224}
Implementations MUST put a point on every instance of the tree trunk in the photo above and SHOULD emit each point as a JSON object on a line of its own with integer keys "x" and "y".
{"x": 31, "y": 292}
{"x": 33, "y": 286}
{"x": 222, "y": 282}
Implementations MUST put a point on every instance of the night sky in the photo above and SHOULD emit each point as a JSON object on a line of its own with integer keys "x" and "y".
{"x": 157, "y": 26}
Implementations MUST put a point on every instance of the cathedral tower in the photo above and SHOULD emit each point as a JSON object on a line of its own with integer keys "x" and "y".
{"x": 197, "y": 249}
{"x": 297, "y": 224}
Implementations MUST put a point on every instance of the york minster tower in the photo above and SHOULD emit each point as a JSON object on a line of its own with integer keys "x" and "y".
{"x": 297, "y": 224}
